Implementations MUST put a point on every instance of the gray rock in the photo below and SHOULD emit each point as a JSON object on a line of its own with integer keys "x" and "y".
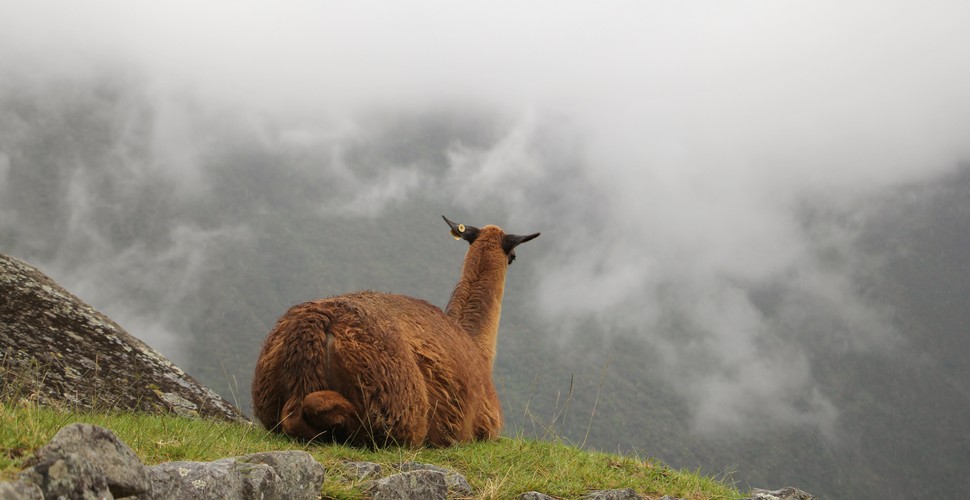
{"x": 302, "y": 476}
{"x": 289, "y": 474}
{"x": 535, "y": 495}
{"x": 60, "y": 352}
{"x": 68, "y": 476}
{"x": 788, "y": 493}
{"x": 99, "y": 447}
{"x": 209, "y": 480}
{"x": 457, "y": 484}
{"x": 416, "y": 484}
{"x": 622, "y": 494}
{"x": 362, "y": 470}
{"x": 668, "y": 497}
{"x": 20, "y": 490}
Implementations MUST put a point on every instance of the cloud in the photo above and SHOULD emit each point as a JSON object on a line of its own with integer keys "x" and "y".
{"x": 477, "y": 176}
{"x": 142, "y": 284}
{"x": 370, "y": 197}
{"x": 676, "y": 156}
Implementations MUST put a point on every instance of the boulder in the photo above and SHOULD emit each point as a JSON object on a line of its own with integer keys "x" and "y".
{"x": 211, "y": 480}
{"x": 621, "y": 494}
{"x": 20, "y": 490}
{"x": 87, "y": 462}
{"x": 362, "y": 470}
{"x": 123, "y": 471}
{"x": 416, "y": 485}
{"x": 61, "y": 352}
{"x": 457, "y": 484}
{"x": 788, "y": 493}
{"x": 535, "y": 495}
{"x": 300, "y": 474}
{"x": 68, "y": 476}
{"x": 289, "y": 474}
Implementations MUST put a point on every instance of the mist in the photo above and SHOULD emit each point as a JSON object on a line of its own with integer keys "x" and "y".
{"x": 705, "y": 175}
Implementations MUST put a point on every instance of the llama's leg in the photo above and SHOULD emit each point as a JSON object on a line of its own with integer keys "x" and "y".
{"x": 293, "y": 423}
{"x": 332, "y": 413}
{"x": 488, "y": 425}
{"x": 335, "y": 416}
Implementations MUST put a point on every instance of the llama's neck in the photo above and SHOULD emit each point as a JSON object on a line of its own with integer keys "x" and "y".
{"x": 476, "y": 303}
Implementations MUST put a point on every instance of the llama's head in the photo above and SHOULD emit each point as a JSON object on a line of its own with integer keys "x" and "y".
{"x": 490, "y": 236}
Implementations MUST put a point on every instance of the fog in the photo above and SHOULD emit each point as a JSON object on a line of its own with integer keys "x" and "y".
{"x": 701, "y": 172}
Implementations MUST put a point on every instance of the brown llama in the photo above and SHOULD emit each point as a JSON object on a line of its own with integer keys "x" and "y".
{"x": 376, "y": 369}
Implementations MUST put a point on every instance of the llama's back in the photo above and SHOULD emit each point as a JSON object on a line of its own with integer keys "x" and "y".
{"x": 367, "y": 367}
{"x": 461, "y": 401}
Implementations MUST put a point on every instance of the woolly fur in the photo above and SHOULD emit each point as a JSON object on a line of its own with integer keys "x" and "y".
{"x": 376, "y": 369}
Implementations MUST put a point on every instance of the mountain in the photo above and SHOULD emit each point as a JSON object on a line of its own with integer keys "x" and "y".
{"x": 196, "y": 227}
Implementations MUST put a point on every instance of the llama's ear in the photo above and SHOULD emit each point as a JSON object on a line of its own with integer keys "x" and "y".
{"x": 510, "y": 241}
{"x": 462, "y": 232}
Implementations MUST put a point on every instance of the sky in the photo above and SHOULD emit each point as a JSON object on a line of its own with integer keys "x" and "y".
{"x": 681, "y": 159}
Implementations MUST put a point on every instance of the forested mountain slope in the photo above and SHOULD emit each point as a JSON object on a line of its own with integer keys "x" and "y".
{"x": 196, "y": 227}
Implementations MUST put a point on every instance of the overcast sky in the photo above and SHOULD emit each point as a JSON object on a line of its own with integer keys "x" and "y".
{"x": 702, "y": 132}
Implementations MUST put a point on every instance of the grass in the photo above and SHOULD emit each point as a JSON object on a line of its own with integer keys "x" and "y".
{"x": 497, "y": 469}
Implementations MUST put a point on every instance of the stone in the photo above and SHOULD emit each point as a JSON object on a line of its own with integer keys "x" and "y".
{"x": 284, "y": 474}
{"x": 535, "y": 495}
{"x": 416, "y": 485}
{"x": 362, "y": 470}
{"x": 620, "y": 494}
{"x": 20, "y": 490}
{"x": 788, "y": 493}
{"x": 457, "y": 484}
{"x": 68, "y": 476}
{"x": 123, "y": 471}
{"x": 60, "y": 352}
{"x": 301, "y": 475}
{"x": 209, "y": 480}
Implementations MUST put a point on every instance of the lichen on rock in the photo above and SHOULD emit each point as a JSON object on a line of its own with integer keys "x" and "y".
{"x": 59, "y": 351}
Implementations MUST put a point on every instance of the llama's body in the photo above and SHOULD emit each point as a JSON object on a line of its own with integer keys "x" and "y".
{"x": 401, "y": 359}
{"x": 376, "y": 368}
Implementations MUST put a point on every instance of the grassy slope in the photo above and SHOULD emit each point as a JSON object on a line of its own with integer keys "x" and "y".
{"x": 500, "y": 469}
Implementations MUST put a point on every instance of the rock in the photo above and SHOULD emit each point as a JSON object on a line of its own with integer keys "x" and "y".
{"x": 668, "y": 497}
{"x": 362, "y": 470}
{"x": 86, "y": 461}
{"x": 207, "y": 480}
{"x": 288, "y": 474}
{"x": 788, "y": 493}
{"x": 20, "y": 490}
{"x": 302, "y": 476}
{"x": 99, "y": 447}
{"x": 624, "y": 494}
{"x": 68, "y": 476}
{"x": 457, "y": 484}
{"x": 416, "y": 484}
{"x": 535, "y": 495}
{"x": 60, "y": 352}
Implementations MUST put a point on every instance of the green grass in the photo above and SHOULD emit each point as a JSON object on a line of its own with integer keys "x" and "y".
{"x": 498, "y": 469}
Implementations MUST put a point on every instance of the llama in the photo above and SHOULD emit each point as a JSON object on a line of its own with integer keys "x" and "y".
{"x": 373, "y": 369}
